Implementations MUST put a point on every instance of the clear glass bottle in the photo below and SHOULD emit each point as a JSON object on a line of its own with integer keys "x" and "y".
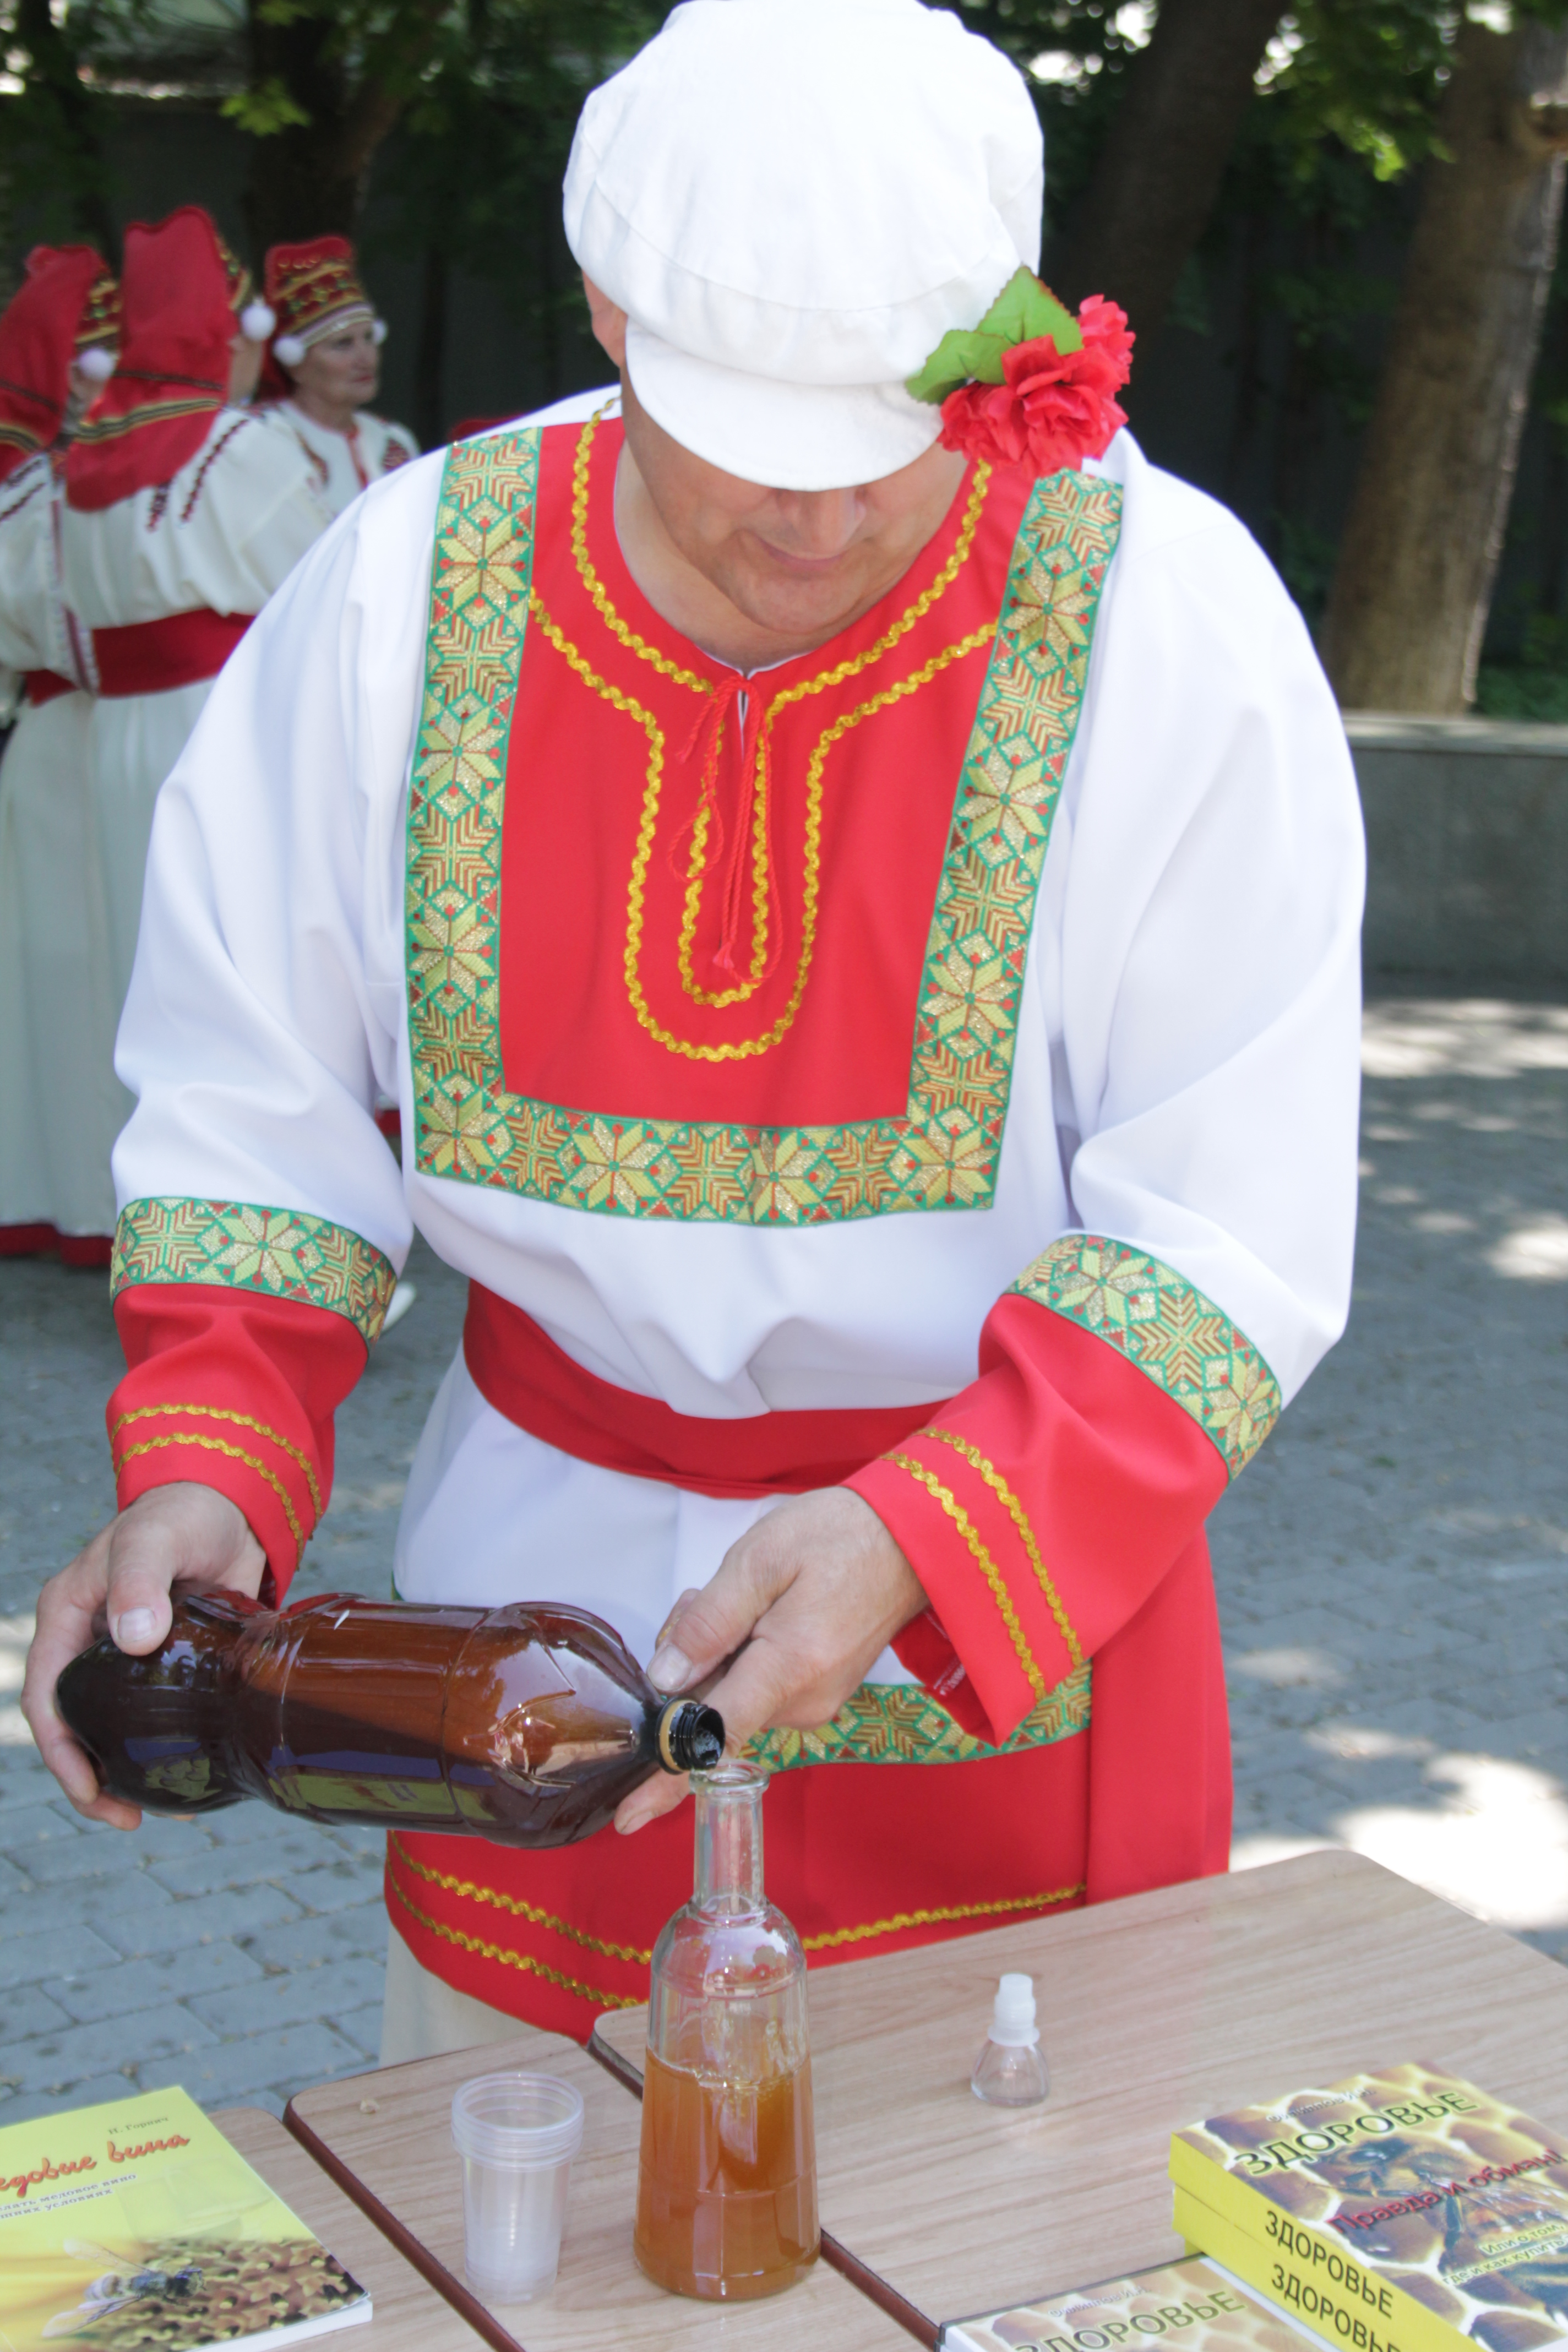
{"x": 727, "y": 2182}
{"x": 1011, "y": 2070}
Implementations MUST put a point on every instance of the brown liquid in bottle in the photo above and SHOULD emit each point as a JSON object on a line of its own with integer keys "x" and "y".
{"x": 727, "y": 2176}
{"x": 525, "y": 1725}
{"x": 726, "y": 2183}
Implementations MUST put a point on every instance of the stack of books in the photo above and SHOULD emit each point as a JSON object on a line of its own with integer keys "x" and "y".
{"x": 1401, "y": 2210}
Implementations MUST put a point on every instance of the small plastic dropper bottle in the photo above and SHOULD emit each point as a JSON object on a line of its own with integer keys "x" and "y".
{"x": 1011, "y": 2070}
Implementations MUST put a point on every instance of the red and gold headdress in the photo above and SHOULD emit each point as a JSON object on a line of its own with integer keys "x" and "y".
{"x": 98, "y": 329}
{"x": 315, "y": 290}
{"x": 182, "y": 296}
{"x": 40, "y": 334}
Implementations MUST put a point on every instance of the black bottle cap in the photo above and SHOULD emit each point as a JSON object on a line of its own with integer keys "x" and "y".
{"x": 690, "y": 1736}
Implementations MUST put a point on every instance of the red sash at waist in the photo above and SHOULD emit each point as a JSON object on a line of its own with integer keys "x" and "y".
{"x": 44, "y": 686}
{"x": 534, "y": 1384}
{"x": 154, "y": 657}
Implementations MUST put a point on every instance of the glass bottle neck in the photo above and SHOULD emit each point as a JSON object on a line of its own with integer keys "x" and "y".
{"x": 729, "y": 1839}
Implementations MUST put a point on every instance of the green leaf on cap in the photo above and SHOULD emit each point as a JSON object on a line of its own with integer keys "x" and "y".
{"x": 1023, "y": 311}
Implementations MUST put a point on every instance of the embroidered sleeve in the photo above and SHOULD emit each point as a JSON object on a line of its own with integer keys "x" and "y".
{"x": 243, "y": 1328}
{"x": 1042, "y": 1507}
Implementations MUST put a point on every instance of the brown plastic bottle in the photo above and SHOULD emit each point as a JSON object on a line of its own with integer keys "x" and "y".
{"x": 525, "y": 1725}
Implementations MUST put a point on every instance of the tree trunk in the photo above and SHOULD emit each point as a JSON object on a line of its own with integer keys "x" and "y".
{"x": 1418, "y": 560}
{"x": 1159, "y": 173}
{"x": 309, "y": 179}
{"x": 296, "y": 187}
{"x": 52, "y": 70}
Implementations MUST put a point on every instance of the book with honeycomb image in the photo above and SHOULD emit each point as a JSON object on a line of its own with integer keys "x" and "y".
{"x": 1403, "y": 2202}
{"x": 1188, "y": 2307}
{"x": 135, "y": 2226}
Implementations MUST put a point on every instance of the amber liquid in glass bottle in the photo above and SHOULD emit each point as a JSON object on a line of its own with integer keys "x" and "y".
{"x": 727, "y": 2179}
{"x": 525, "y": 1725}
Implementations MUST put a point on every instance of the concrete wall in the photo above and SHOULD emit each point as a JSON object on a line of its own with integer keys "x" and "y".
{"x": 1467, "y": 823}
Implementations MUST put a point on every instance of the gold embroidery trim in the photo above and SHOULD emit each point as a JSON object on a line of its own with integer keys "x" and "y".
{"x": 525, "y": 1961}
{"x": 514, "y": 1904}
{"x": 851, "y": 668}
{"x": 813, "y": 868}
{"x": 824, "y": 678}
{"x": 235, "y": 1453}
{"x": 902, "y": 1919}
{"x": 988, "y": 1567}
{"x": 943, "y": 1152}
{"x": 1015, "y": 1510}
{"x": 241, "y": 1420}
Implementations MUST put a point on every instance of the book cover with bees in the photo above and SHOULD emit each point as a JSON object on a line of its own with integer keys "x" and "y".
{"x": 1189, "y": 2302}
{"x": 1402, "y": 2210}
{"x": 135, "y": 2225}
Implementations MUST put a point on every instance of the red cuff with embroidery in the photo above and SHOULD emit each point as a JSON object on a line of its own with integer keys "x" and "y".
{"x": 1039, "y": 1510}
{"x": 236, "y": 1390}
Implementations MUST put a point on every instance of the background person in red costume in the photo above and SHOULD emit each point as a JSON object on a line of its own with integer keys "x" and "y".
{"x": 854, "y": 877}
{"x": 182, "y": 513}
{"x": 323, "y": 367}
{"x": 61, "y": 1105}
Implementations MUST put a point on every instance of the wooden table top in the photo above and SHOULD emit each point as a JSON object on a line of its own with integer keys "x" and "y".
{"x": 409, "y": 2317}
{"x": 1152, "y": 2012}
{"x": 386, "y": 2137}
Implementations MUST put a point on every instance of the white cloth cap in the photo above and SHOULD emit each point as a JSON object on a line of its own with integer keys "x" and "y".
{"x": 793, "y": 201}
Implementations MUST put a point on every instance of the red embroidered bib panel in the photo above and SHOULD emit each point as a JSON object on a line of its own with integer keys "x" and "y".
{"x": 632, "y": 823}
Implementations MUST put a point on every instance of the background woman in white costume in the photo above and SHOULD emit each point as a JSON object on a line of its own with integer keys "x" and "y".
{"x": 324, "y": 365}
{"x": 63, "y": 1105}
{"x": 182, "y": 513}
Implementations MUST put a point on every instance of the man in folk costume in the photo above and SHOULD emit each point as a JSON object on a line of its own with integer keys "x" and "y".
{"x": 61, "y": 1105}
{"x": 323, "y": 367}
{"x": 856, "y": 888}
{"x": 183, "y": 514}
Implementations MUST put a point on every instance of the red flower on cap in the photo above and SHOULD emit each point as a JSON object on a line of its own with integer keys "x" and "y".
{"x": 1055, "y": 408}
{"x": 1041, "y": 385}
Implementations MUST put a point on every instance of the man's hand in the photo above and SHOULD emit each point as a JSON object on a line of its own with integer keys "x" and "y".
{"x": 809, "y": 1598}
{"x": 185, "y": 1535}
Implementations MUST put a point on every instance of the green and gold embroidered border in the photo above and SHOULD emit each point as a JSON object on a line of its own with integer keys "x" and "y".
{"x": 1165, "y": 1326}
{"x": 281, "y": 1252}
{"x": 945, "y": 1152}
{"x": 900, "y": 1723}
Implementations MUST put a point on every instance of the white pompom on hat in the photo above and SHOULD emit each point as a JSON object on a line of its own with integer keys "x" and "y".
{"x": 96, "y": 362}
{"x": 288, "y": 350}
{"x": 256, "y": 321}
{"x": 793, "y": 201}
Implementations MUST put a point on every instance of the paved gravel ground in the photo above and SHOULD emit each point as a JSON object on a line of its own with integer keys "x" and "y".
{"x": 1392, "y": 1574}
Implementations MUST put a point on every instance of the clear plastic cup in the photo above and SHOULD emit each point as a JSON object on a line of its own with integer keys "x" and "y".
{"x": 516, "y": 2135}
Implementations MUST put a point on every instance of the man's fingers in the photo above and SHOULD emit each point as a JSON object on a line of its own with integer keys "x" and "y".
{"x": 687, "y": 1598}
{"x": 122, "y": 1578}
{"x": 707, "y": 1627}
{"x": 656, "y": 1797}
{"x": 138, "y": 1608}
{"x": 69, "y": 1609}
{"x": 759, "y": 1686}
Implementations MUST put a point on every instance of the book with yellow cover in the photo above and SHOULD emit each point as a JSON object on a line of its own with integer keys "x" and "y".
{"x": 1187, "y": 2303}
{"x": 135, "y": 2226}
{"x": 1343, "y": 2303}
{"x": 1421, "y": 2210}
